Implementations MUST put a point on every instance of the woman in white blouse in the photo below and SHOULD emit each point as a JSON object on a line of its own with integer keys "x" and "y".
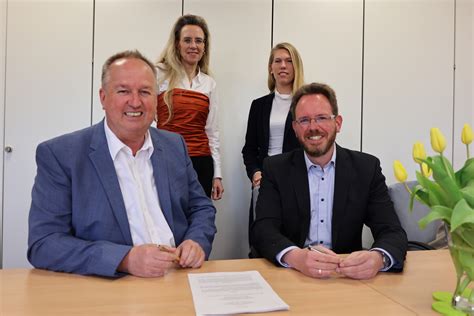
{"x": 269, "y": 130}
{"x": 187, "y": 100}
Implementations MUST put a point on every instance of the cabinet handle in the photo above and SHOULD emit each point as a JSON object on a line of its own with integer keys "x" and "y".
{"x": 8, "y": 149}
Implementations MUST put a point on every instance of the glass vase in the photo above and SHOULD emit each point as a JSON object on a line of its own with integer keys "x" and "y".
{"x": 461, "y": 247}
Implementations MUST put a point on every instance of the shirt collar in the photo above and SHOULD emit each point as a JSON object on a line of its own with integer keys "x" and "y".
{"x": 282, "y": 96}
{"x": 199, "y": 75}
{"x": 116, "y": 145}
{"x": 309, "y": 164}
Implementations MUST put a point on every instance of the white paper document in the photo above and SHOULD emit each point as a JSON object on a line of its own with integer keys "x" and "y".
{"x": 223, "y": 293}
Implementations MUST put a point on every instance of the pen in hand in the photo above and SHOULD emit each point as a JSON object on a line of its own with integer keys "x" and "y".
{"x": 316, "y": 249}
{"x": 166, "y": 249}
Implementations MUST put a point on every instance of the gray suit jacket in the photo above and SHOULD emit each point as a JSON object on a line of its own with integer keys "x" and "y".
{"x": 78, "y": 222}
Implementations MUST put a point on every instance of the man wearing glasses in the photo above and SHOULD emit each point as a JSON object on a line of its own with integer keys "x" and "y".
{"x": 314, "y": 201}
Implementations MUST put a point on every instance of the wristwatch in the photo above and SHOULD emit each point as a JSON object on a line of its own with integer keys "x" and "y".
{"x": 385, "y": 259}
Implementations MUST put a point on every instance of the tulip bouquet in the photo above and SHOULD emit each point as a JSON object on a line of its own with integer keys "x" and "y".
{"x": 450, "y": 197}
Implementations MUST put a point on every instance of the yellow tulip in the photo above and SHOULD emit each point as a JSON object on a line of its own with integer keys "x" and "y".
{"x": 438, "y": 142}
{"x": 466, "y": 135}
{"x": 399, "y": 171}
{"x": 419, "y": 153}
{"x": 425, "y": 170}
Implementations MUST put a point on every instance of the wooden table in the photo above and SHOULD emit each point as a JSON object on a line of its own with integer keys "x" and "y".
{"x": 38, "y": 292}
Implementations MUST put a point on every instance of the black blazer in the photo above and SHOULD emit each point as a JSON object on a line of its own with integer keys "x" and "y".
{"x": 258, "y": 134}
{"x": 360, "y": 197}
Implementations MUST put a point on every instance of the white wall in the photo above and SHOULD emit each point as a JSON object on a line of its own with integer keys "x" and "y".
{"x": 408, "y": 77}
{"x": 407, "y": 83}
{"x": 464, "y": 102}
{"x": 48, "y": 92}
{"x": 148, "y": 33}
{"x": 329, "y": 37}
{"x": 241, "y": 34}
{"x": 3, "y": 28}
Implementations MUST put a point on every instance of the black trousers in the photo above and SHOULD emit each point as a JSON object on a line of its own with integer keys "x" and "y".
{"x": 204, "y": 167}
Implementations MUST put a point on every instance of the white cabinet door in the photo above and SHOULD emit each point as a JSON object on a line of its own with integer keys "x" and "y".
{"x": 328, "y": 35}
{"x": 464, "y": 81}
{"x": 129, "y": 24}
{"x": 48, "y": 92}
{"x": 3, "y": 29}
{"x": 241, "y": 41}
{"x": 408, "y": 77}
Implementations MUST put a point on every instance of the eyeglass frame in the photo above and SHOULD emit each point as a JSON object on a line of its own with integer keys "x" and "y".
{"x": 318, "y": 120}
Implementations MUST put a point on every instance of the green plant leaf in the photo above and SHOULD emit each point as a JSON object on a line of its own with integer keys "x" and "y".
{"x": 466, "y": 232}
{"x": 443, "y": 296}
{"x": 446, "y": 309}
{"x": 462, "y": 214}
{"x": 468, "y": 194}
{"x": 444, "y": 176}
{"x": 466, "y": 173}
{"x": 436, "y": 212}
{"x": 435, "y": 194}
{"x": 420, "y": 194}
{"x": 467, "y": 260}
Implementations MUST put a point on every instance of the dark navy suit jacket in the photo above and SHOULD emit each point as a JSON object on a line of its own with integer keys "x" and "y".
{"x": 360, "y": 197}
{"x": 78, "y": 222}
{"x": 258, "y": 134}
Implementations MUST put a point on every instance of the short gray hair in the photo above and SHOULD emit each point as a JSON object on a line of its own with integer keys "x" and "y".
{"x": 127, "y": 54}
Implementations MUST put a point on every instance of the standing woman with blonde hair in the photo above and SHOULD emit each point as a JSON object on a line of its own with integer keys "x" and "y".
{"x": 269, "y": 130}
{"x": 187, "y": 100}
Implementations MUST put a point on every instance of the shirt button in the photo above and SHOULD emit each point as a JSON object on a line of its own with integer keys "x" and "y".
{"x": 322, "y": 221}
{"x": 320, "y": 241}
{"x": 322, "y": 200}
{"x": 322, "y": 179}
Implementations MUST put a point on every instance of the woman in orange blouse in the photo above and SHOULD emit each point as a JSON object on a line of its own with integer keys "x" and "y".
{"x": 187, "y": 101}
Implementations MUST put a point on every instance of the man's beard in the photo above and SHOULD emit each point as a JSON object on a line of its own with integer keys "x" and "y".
{"x": 320, "y": 151}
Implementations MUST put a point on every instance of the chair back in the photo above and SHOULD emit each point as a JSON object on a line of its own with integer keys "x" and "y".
{"x": 409, "y": 220}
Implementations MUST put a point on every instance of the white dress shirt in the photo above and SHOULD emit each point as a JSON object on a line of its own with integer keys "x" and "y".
{"x": 135, "y": 176}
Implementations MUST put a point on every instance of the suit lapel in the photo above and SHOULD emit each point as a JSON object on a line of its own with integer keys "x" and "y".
{"x": 343, "y": 180}
{"x": 104, "y": 166}
{"x": 267, "y": 109}
{"x": 162, "y": 179}
{"x": 299, "y": 181}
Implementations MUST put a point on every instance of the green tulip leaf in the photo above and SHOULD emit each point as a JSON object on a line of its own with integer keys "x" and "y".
{"x": 466, "y": 232}
{"x": 467, "y": 292}
{"x": 466, "y": 173}
{"x": 443, "y": 296}
{"x": 444, "y": 181}
{"x": 421, "y": 195}
{"x": 467, "y": 261}
{"x": 436, "y": 212}
{"x": 435, "y": 194}
{"x": 468, "y": 194}
{"x": 462, "y": 214}
{"x": 446, "y": 309}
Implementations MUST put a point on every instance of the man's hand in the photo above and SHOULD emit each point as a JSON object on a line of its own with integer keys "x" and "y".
{"x": 217, "y": 189}
{"x": 256, "y": 179}
{"x": 148, "y": 261}
{"x": 316, "y": 264}
{"x": 191, "y": 254}
{"x": 361, "y": 264}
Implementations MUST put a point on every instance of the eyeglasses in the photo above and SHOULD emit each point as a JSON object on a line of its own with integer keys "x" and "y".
{"x": 198, "y": 41}
{"x": 319, "y": 120}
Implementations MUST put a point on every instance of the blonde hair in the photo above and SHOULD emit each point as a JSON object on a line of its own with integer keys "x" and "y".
{"x": 170, "y": 59}
{"x": 298, "y": 80}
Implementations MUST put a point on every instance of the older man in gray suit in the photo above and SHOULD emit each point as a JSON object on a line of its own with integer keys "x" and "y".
{"x": 106, "y": 196}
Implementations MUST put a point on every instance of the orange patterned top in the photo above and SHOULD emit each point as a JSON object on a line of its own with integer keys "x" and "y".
{"x": 190, "y": 111}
